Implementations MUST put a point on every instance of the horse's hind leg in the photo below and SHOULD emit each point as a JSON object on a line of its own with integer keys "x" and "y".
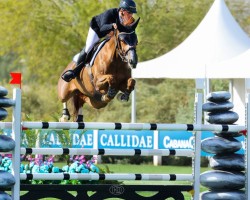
{"x": 80, "y": 115}
{"x": 65, "y": 91}
{"x": 65, "y": 114}
{"x": 77, "y": 104}
{"x": 77, "y": 110}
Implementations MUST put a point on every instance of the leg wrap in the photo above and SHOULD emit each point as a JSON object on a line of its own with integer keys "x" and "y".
{"x": 66, "y": 113}
{"x": 111, "y": 92}
{"x": 125, "y": 96}
{"x": 79, "y": 118}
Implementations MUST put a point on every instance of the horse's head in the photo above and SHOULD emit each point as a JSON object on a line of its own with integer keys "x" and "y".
{"x": 127, "y": 42}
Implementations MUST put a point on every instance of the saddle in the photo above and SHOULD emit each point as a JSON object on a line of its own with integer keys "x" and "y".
{"x": 94, "y": 51}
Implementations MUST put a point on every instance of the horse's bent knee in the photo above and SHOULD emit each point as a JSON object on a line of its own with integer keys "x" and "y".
{"x": 131, "y": 82}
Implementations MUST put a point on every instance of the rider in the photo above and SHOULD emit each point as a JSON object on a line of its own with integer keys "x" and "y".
{"x": 100, "y": 26}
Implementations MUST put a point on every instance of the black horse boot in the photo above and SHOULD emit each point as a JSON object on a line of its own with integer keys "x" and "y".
{"x": 71, "y": 74}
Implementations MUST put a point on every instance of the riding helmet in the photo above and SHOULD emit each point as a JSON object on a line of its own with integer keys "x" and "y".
{"x": 128, "y": 5}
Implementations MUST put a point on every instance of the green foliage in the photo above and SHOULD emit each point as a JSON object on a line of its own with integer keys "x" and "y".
{"x": 165, "y": 24}
{"x": 160, "y": 102}
{"x": 176, "y": 161}
{"x": 219, "y": 85}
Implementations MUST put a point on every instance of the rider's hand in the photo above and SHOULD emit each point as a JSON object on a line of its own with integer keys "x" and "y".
{"x": 114, "y": 25}
{"x": 110, "y": 34}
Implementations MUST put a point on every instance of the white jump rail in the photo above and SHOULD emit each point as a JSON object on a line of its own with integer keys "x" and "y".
{"x": 124, "y": 126}
{"x": 108, "y": 152}
{"x": 130, "y": 126}
{"x": 114, "y": 177}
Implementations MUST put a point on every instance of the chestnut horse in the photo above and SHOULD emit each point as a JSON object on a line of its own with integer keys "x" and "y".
{"x": 110, "y": 73}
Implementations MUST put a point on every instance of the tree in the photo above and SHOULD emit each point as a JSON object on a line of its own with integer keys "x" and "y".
{"x": 46, "y": 37}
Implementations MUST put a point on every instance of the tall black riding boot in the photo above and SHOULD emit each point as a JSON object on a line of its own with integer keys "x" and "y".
{"x": 71, "y": 74}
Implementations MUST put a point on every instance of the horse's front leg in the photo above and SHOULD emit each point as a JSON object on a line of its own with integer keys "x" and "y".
{"x": 104, "y": 81}
{"x": 127, "y": 88}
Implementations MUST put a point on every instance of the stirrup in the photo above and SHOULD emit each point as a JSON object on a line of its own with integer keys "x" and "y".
{"x": 68, "y": 75}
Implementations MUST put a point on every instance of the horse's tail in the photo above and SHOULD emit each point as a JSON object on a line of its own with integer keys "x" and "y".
{"x": 75, "y": 103}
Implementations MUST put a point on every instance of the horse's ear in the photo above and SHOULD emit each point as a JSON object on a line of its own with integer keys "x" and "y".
{"x": 135, "y": 23}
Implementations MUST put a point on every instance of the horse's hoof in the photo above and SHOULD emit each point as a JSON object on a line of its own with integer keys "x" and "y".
{"x": 64, "y": 118}
{"x": 105, "y": 98}
{"x": 122, "y": 97}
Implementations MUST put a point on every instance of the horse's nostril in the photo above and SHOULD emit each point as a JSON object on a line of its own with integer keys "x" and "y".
{"x": 133, "y": 65}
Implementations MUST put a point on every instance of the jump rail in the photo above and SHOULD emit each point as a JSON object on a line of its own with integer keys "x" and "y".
{"x": 108, "y": 152}
{"x": 113, "y": 177}
{"x": 124, "y": 126}
{"x": 131, "y": 126}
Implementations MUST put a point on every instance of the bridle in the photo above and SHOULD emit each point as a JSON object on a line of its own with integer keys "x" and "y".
{"x": 120, "y": 51}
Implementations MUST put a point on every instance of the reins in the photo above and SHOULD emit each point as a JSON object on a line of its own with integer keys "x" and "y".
{"x": 118, "y": 47}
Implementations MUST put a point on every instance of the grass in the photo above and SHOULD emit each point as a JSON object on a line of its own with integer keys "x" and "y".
{"x": 148, "y": 169}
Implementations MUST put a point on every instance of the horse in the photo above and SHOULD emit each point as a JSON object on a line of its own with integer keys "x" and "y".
{"x": 107, "y": 77}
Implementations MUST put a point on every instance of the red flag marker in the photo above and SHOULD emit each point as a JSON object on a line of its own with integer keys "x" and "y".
{"x": 24, "y": 128}
{"x": 16, "y": 78}
{"x": 244, "y": 132}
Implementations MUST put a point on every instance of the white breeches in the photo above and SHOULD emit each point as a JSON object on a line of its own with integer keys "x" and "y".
{"x": 92, "y": 39}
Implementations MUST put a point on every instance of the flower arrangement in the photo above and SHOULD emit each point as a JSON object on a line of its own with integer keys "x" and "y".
{"x": 40, "y": 164}
{"x": 5, "y": 163}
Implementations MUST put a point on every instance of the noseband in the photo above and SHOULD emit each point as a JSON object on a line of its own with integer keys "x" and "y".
{"x": 126, "y": 37}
